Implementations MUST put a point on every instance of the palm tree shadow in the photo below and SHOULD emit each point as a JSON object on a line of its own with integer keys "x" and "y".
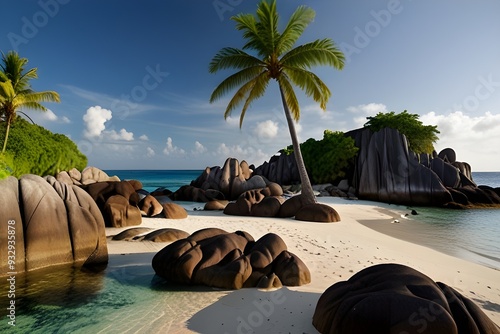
{"x": 252, "y": 310}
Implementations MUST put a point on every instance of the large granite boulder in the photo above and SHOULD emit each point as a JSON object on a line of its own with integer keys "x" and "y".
{"x": 55, "y": 223}
{"x": 118, "y": 202}
{"x": 386, "y": 171}
{"x": 230, "y": 181}
{"x": 392, "y": 298}
{"x": 216, "y": 258}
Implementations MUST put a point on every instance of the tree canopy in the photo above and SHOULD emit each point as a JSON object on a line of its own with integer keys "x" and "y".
{"x": 328, "y": 159}
{"x": 421, "y": 138}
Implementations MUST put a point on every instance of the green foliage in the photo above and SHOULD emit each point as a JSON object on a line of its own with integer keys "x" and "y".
{"x": 6, "y": 163}
{"x": 328, "y": 159}
{"x": 421, "y": 138}
{"x": 39, "y": 151}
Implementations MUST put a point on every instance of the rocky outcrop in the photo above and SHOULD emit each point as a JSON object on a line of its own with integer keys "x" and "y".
{"x": 281, "y": 169}
{"x": 216, "y": 258}
{"x": 392, "y": 298}
{"x": 229, "y": 182}
{"x": 118, "y": 202}
{"x": 53, "y": 223}
{"x": 387, "y": 171}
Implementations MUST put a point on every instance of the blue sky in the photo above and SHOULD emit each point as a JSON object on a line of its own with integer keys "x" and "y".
{"x": 134, "y": 82}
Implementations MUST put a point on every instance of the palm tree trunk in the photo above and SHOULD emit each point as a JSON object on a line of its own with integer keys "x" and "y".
{"x": 6, "y": 134}
{"x": 307, "y": 191}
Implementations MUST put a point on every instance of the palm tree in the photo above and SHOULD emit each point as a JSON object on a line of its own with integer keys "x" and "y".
{"x": 16, "y": 92}
{"x": 276, "y": 59}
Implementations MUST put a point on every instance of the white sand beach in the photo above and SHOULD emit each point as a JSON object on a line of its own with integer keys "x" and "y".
{"x": 333, "y": 252}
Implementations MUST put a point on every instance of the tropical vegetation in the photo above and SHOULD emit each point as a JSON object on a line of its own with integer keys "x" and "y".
{"x": 16, "y": 92}
{"x": 421, "y": 138}
{"x": 275, "y": 57}
{"x": 38, "y": 151}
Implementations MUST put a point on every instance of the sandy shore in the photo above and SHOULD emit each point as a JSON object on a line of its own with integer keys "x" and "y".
{"x": 333, "y": 252}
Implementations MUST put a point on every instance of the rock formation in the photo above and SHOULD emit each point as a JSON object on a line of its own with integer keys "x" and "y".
{"x": 53, "y": 223}
{"x": 387, "y": 171}
{"x": 216, "y": 258}
{"x": 392, "y": 298}
{"x": 228, "y": 182}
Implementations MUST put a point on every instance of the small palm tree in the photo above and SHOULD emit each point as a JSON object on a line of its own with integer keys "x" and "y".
{"x": 276, "y": 58}
{"x": 16, "y": 92}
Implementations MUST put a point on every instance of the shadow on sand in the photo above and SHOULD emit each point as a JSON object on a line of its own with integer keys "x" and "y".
{"x": 255, "y": 311}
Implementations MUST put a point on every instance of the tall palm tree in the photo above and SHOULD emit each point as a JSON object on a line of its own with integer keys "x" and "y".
{"x": 16, "y": 92}
{"x": 276, "y": 58}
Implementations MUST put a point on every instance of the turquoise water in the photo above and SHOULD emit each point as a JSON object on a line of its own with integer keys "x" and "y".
{"x": 153, "y": 179}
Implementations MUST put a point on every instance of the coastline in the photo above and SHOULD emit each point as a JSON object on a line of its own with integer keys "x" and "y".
{"x": 333, "y": 252}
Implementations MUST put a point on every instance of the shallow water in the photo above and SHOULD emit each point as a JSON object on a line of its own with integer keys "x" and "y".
{"x": 126, "y": 297}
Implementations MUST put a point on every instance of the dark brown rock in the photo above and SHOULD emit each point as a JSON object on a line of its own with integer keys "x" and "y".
{"x": 290, "y": 207}
{"x": 317, "y": 212}
{"x": 216, "y": 258}
{"x": 150, "y": 206}
{"x": 165, "y": 235}
{"x": 392, "y": 298}
{"x": 268, "y": 207}
{"x": 216, "y": 205}
{"x": 118, "y": 212}
{"x": 130, "y": 233}
{"x": 174, "y": 211}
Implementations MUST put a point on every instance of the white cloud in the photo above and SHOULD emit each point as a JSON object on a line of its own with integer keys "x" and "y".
{"x": 250, "y": 154}
{"x": 370, "y": 109}
{"x": 46, "y": 116}
{"x": 233, "y": 122}
{"x": 473, "y": 138}
{"x": 49, "y": 115}
{"x": 171, "y": 149}
{"x": 150, "y": 152}
{"x": 122, "y": 135}
{"x": 199, "y": 148}
{"x": 144, "y": 138}
{"x": 94, "y": 120}
{"x": 266, "y": 130}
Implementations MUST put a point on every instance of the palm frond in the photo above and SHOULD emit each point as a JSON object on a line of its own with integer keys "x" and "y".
{"x": 26, "y": 104}
{"x": 290, "y": 97}
{"x": 238, "y": 98}
{"x": 310, "y": 83}
{"x": 234, "y": 81}
{"x": 267, "y": 26}
{"x": 319, "y": 52}
{"x": 259, "y": 88}
{"x": 233, "y": 58}
{"x": 298, "y": 22}
{"x": 7, "y": 91}
{"x": 46, "y": 96}
{"x": 248, "y": 25}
